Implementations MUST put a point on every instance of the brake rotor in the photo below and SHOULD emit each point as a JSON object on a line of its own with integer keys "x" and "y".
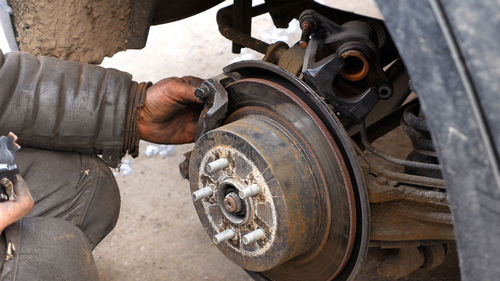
{"x": 276, "y": 195}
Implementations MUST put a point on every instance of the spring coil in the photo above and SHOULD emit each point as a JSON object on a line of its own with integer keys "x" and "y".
{"x": 415, "y": 127}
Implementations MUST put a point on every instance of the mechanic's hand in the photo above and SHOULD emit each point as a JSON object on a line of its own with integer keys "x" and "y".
{"x": 171, "y": 111}
{"x": 12, "y": 211}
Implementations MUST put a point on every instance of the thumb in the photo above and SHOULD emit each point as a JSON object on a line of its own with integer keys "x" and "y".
{"x": 21, "y": 188}
{"x": 192, "y": 80}
{"x": 187, "y": 88}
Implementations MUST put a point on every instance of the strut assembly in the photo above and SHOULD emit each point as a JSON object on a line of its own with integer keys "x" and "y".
{"x": 278, "y": 176}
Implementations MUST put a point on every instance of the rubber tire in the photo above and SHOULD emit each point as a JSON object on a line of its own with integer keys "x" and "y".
{"x": 450, "y": 48}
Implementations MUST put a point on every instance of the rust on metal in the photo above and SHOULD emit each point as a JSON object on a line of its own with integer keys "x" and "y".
{"x": 232, "y": 203}
{"x": 356, "y": 66}
{"x": 305, "y": 210}
{"x": 307, "y": 28}
{"x": 401, "y": 263}
{"x": 315, "y": 154}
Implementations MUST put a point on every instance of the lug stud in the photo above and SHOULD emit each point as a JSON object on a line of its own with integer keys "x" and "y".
{"x": 217, "y": 165}
{"x": 202, "y": 193}
{"x": 223, "y": 236}
{"x": 249, "y": 191}
{"x": 253, "y": 236}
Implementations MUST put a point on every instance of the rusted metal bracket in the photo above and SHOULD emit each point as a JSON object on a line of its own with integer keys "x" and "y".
{"x": 239, "y": 31}
{"x": 215, "y": 97}
{"x": 242, "y": 20}
{"x": 351, "y": 77}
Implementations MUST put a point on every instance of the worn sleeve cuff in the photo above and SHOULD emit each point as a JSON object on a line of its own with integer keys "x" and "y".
{"x": 136, "y": 101}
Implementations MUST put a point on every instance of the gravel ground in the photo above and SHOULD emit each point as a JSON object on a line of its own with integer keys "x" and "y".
{"x": 158, "y": 235}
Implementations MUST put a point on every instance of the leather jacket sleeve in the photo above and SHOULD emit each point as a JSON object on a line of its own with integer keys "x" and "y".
{"x": 60, "y": 105}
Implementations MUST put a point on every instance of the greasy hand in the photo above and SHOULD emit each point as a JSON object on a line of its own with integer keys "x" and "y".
{"x": 171, "y": 111}
{"x": 12, "y": 211}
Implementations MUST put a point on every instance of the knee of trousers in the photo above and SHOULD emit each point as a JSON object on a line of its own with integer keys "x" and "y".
{"x": 104, "y": 206}
{"x": 53, "y": 249}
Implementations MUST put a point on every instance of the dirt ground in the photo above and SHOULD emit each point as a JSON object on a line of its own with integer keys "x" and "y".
{"x": 158, "y": 235}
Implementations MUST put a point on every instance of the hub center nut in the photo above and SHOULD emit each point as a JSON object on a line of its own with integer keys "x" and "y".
{"x": 235, "y": 210}
{"x": 232, "y": 203}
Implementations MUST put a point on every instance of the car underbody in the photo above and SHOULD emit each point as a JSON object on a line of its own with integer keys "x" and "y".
{"x": 284, "y": 176}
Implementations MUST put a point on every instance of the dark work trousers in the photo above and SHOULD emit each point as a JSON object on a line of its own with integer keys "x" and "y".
{"x": 77, "y": 203}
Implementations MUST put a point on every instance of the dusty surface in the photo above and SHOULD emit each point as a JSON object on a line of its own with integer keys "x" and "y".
{"x": 158, "y": 235}
{"x": 72, "y": 29}
{"x": 397, "y": 144}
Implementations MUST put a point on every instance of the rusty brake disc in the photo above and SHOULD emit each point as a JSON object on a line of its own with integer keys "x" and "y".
{"x": 273, "y": 189}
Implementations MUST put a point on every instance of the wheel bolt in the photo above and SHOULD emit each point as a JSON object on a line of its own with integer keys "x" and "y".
{"x": 253, "y": 236}
{"x": 249, "y": 191}
{"x": 202, "y": 193}
{"x": 217, "y": 165}
{"x": 223, "y": 236}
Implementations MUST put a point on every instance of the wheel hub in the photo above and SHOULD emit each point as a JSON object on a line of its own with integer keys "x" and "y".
{"x": 281, "y": 201}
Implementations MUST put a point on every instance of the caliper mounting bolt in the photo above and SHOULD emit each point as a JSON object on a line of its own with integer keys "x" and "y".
{"x": 223, "y": 236}
{"x": 249, "y": 191}
{"x": 202, "y": 193}
{"x": 216, "y": 165}
{"x": 253, "y": 236}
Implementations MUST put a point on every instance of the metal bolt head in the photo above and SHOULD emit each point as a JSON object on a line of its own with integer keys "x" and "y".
{"x": 202, "y": 92}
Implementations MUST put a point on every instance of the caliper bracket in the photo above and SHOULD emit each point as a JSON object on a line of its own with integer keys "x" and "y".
{"x": 215, "y": 97}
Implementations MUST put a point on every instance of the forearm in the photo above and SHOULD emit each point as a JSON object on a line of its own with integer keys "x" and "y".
{"x": 62, "y": 105}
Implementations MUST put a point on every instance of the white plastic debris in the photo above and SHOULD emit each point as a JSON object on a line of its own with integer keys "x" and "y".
{"x": 166, "y": 150}
{"x": 151, "y": 150}
{"x": 126, "y": 167}
{"x": 162, "y": 150}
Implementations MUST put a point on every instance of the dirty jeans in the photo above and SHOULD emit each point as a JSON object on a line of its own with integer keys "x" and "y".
{"x": 76, "y": 205}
